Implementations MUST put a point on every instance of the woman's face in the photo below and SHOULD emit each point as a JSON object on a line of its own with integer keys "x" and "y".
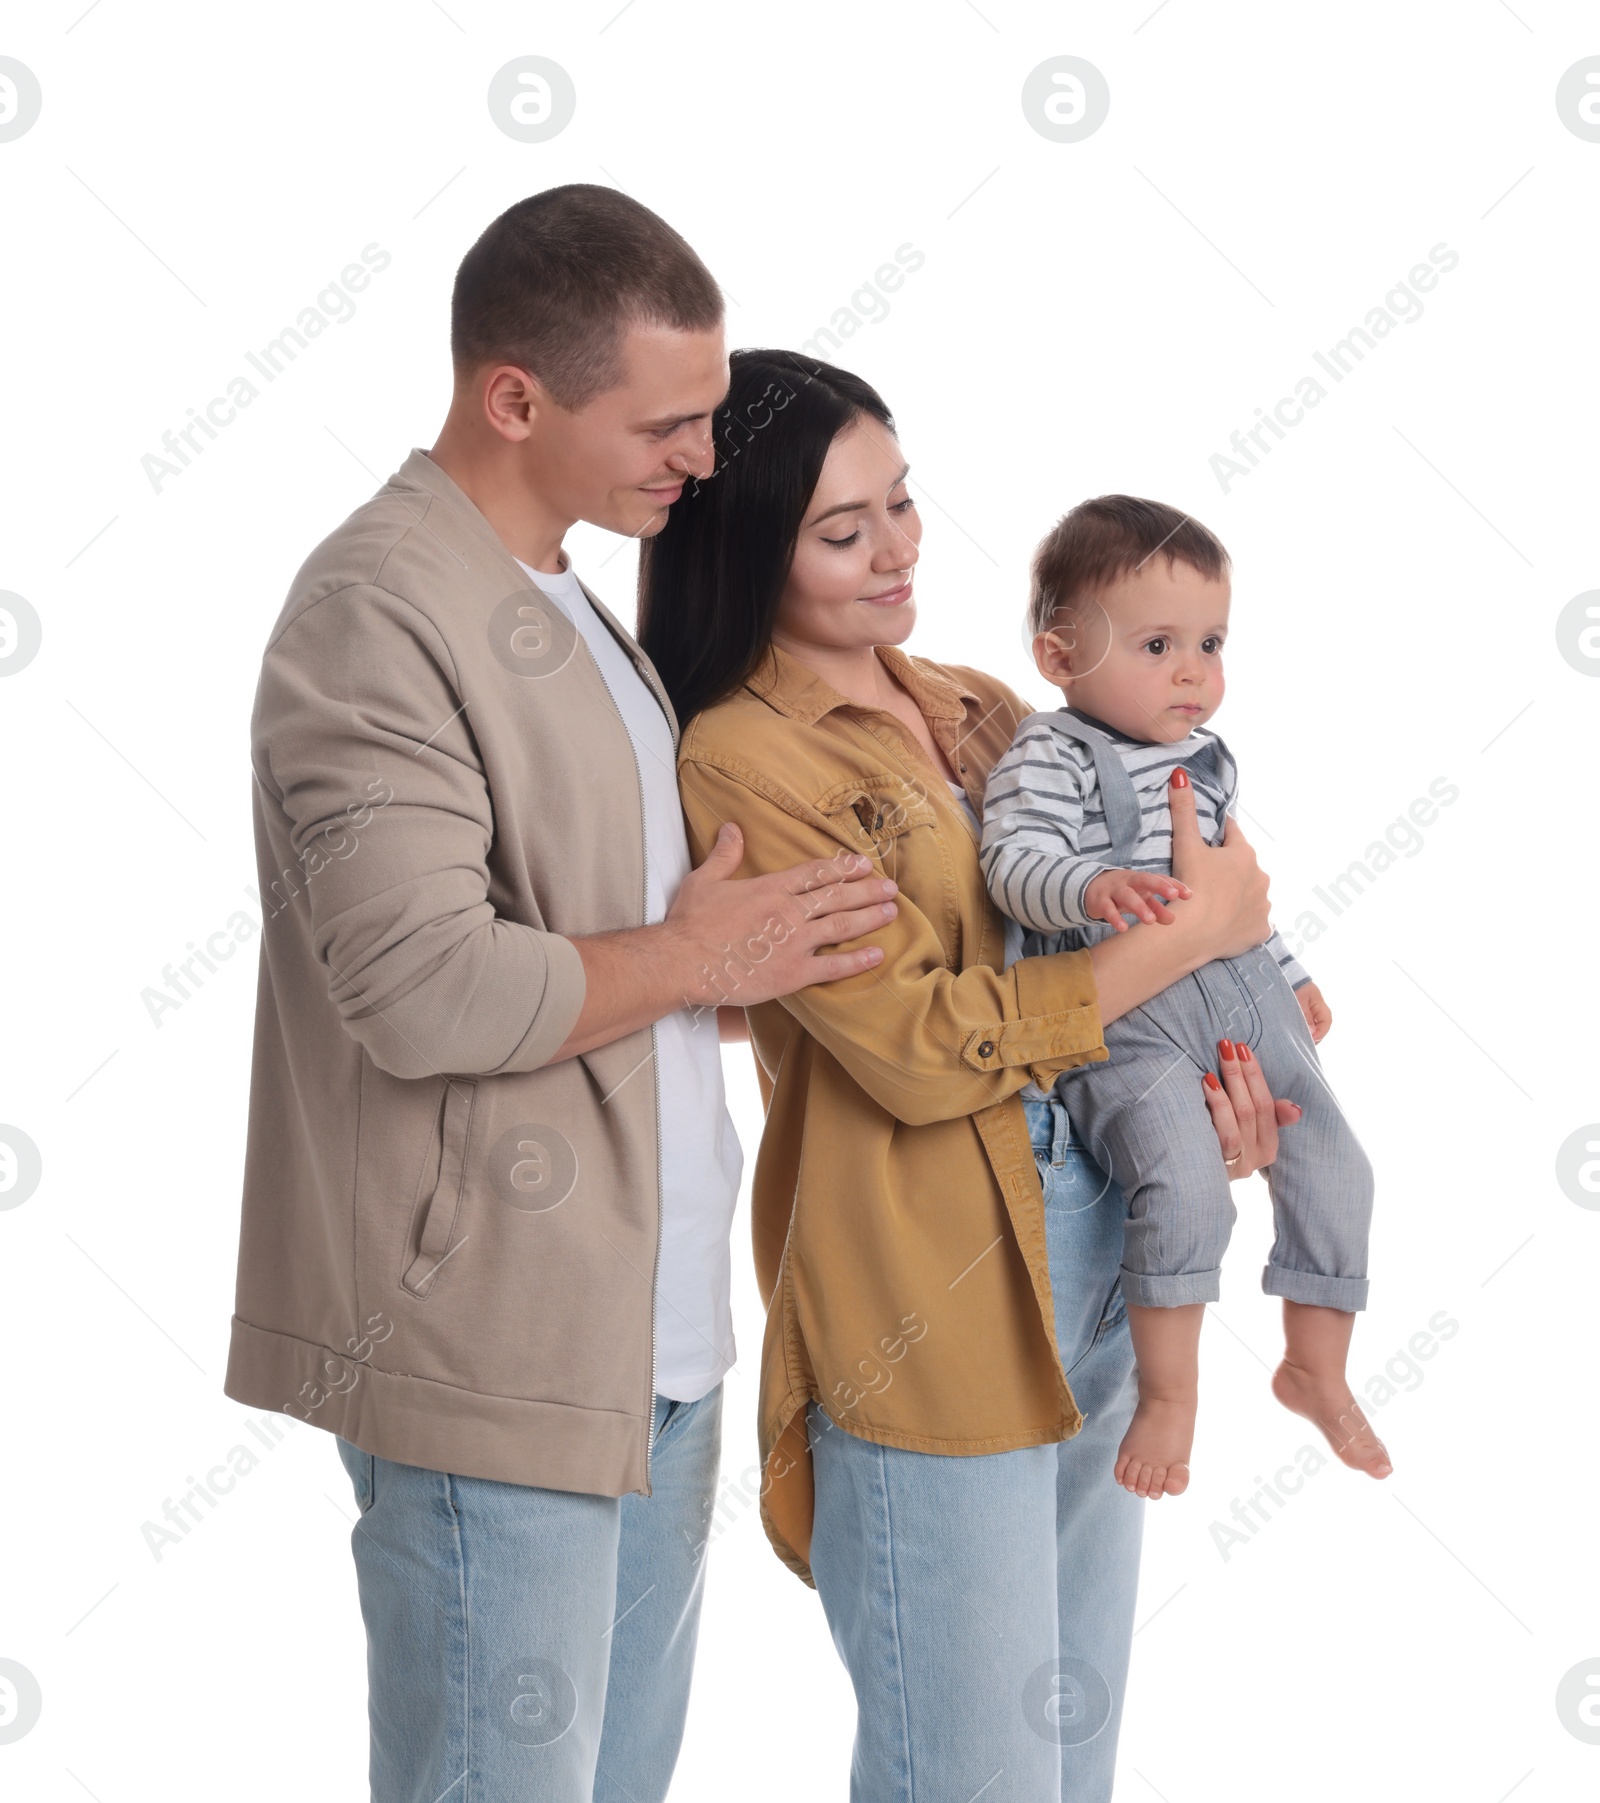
{"x": 850, "y": 583}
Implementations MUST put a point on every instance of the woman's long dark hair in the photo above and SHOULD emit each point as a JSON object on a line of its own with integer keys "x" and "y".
{"x": 711, "y": 579}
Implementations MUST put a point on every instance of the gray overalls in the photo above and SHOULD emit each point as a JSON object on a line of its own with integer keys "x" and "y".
{"x": 1144, "y": 1119}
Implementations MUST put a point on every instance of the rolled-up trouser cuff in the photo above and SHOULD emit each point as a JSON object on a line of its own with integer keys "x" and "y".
{"x": 1170, "y": 1289}
{"x": 1347, "y": 1293}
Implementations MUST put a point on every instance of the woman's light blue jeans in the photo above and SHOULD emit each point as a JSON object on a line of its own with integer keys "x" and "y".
{"x": 984, "y": 1606}
{"x": 527, "y": 1645}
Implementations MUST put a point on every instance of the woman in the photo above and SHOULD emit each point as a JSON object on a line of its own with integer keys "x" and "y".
{"x": 946, "y": 1371}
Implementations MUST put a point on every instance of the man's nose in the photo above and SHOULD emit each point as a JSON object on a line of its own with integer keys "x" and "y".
{"x": 695, "y": 456}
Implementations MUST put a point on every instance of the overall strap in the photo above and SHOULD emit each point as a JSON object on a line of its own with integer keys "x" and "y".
{"x": 1118, "y": 796}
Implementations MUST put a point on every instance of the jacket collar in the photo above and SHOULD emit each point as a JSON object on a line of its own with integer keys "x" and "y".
{"x": 420, "y": 471}
{"x": 794, "y": 689}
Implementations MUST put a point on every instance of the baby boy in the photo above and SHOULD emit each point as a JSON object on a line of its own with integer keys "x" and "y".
{"x": 1130, "y": 614}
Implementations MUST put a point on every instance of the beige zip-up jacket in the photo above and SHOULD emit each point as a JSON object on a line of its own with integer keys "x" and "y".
{"x": 449, "y": 1243}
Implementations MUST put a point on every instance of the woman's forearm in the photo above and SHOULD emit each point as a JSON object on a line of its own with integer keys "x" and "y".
{"x": 1131, "y": 967}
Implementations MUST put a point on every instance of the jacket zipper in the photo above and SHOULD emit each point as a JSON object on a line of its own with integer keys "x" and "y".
{"x": 655, "y": 1269}
{"x": 655, "y": 1082}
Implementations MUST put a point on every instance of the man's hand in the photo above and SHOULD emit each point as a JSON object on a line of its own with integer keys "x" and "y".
{"x": 1141, "y": 893}
{"x": 731, "y": 942}
{"x": 747, "y": 940}
{"x": 1319, "y": 1016}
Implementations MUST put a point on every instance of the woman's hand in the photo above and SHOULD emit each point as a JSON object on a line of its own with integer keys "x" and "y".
{"x": 1224, "y": 916}
{"x": 1243, "y": 1111}
{"x": 1229, "y": 887}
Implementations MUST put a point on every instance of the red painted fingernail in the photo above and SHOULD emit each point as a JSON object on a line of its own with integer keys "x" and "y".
{"x": 1244, "y": 1053}
{"x": 1180, "y": 779}
{"x": 1211, "y": 1080}
{"x": 1225, "y": 1046}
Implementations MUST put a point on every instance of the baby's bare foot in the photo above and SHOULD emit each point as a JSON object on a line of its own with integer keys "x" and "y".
{"x": 1153, "y": 1459}
{"x": 1328, "y": 1401}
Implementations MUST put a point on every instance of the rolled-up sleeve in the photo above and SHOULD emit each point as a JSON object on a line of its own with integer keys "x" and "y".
{"x": 925, "y": 1042}
{"x": 384, "y": 823}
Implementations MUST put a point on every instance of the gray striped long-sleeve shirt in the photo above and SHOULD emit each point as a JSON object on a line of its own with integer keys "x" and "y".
{"x": 1045, "y": 837}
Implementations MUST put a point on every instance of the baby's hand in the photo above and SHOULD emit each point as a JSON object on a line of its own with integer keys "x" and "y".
{"x": 1319, "y": 1016}
{"x": 1138, "y": 892}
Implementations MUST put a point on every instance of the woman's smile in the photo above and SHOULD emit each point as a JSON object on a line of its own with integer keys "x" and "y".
{"x": 890, "y": 597}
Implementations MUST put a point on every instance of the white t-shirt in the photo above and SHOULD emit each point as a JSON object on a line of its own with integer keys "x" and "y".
{"x": 701, "y": 1161}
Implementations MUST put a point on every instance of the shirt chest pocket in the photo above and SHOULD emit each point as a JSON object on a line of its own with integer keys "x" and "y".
{"x": 879, "y": 815}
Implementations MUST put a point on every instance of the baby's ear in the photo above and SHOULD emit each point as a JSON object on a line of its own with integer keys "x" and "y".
{"x": 1052, "y": 653}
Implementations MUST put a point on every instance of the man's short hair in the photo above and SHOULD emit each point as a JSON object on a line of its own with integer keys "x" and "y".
{"x": 556, "y": 281}
{"x": 1105, "y": 538}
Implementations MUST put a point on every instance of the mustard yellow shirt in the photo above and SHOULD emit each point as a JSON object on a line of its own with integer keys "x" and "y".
{"x": 897, "y": 1212}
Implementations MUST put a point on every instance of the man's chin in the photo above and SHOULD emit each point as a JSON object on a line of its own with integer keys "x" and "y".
{"x": 639, "y": 520}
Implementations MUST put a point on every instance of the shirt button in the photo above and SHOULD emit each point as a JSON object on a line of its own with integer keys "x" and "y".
{"x": 986, "y": 1050}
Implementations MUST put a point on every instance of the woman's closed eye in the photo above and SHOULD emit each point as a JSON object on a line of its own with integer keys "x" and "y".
{"x": 898, "y": 507}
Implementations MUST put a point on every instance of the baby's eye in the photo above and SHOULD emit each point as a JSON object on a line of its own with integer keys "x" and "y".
{"x": 1211, "y": 646}
{"x": 1157, "y": 647}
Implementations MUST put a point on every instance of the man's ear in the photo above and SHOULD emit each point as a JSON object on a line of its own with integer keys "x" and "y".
{"x": 513, "y": 399}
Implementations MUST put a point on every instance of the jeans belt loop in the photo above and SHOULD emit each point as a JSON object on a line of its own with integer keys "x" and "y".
{"x": 1061, "y": 1133}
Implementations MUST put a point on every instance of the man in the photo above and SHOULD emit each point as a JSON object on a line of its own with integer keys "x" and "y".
{"x": 490, "y": 1172}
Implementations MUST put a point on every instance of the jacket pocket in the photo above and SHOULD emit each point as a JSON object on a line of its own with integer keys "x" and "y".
{"x": 877, "y": 811}
{"x": 436, "y": 1228}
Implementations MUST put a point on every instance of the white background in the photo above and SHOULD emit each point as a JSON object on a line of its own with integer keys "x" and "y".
{"x": 1090, "y": 316}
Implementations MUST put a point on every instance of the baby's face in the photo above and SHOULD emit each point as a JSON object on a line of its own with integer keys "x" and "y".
{"x": 1145, "y": 654}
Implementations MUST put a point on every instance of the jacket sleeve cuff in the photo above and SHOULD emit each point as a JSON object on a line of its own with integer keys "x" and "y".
{"x": 1057, "y": 1025}
{"x": 557, "y": 1009}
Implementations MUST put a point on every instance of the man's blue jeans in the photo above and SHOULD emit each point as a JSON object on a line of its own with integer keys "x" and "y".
{"x": 984, "y": 1606}
{"x": 527, "y": 1645}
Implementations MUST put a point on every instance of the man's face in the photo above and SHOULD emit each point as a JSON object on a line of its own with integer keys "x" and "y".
{"x": 622, "y": 460}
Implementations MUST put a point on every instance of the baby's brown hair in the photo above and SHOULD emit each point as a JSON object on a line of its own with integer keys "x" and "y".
{"x": 1103, "y": 539}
